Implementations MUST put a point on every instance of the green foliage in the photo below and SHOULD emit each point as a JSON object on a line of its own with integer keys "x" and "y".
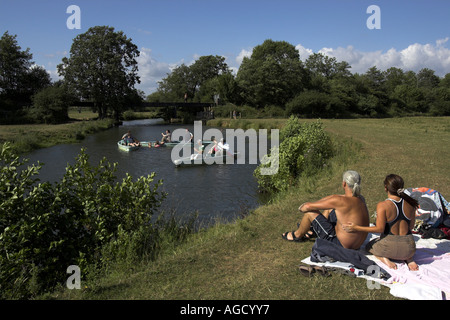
{"x": 20, "y": 79}
{"x": 273, "y": 74}
{"x": 195, "y": 80}
{"x": 50, "y": 105}
{"x": 45, "y": 228}
{"x": 304, "y": 149}
{"x": 102, "y": 68}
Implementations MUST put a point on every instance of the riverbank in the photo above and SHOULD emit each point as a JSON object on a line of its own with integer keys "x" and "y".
{"x": 25, "y": 138}
{"x": 248, "y": 259}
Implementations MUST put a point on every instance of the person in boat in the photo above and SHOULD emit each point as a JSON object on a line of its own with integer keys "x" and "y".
{"x": 187, "y": 136}
{"x": 198, "y": 150}
{"x": 215, "y": 148}
{"x": 130, "y": 140}
{"x": 223, "y": 146}
{"x": 395, "y": 221}
{"x": 166, "y": 137}
{"x": 336, "y": 211}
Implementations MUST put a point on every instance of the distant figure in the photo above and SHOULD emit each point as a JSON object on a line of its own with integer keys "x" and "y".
{"x": 187, "y": 136}
{"x": 185, "y": 97}
{"x": 166, "y": 137}
{"x": 130, "y": 140}
{"x": 198, "y": 149}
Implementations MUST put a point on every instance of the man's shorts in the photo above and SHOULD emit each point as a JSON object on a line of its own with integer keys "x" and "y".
{"x": 325, "y": 228}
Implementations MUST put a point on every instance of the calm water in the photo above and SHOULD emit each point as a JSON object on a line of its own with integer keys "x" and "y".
{"x": 215, "y": 191}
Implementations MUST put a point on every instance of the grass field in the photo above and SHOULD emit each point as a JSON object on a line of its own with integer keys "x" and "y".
{"x": 248, "y": 259}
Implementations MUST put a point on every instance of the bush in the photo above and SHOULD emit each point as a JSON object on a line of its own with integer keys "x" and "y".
{"x": 50, "y": 105}
{"x": 44, "y": 228}
{"x": 304, "y": 149}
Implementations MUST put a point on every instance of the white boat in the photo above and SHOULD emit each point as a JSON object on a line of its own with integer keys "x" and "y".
{"x": 122, "y": 146}
{"x": 201, "y": 159}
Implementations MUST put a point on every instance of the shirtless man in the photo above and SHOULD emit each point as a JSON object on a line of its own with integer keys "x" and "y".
{"x": 337, "y": 210}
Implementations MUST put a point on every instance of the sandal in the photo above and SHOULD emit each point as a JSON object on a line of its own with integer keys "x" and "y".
{"x": 294, "y": 238}
{"x": 306, "y": 270}
{"x": 311, "y": 233}
{"x": 323, "y": 271}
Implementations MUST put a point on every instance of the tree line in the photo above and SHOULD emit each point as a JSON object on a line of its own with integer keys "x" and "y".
{"x": 102, "y": 69}
{"x": 274, "y": 77}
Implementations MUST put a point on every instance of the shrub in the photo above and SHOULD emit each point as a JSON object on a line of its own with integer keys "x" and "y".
{"x": 303, "y": 150}
{"x": 50, "y": 105}
{"x": 44, "y": 228}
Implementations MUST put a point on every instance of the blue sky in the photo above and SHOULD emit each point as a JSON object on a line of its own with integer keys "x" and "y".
{"x": 413, "y": 34}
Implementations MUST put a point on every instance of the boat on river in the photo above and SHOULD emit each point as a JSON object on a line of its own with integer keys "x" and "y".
{"x": 122, "y": 146}
{"x": 205, "y": 159}
{"x": 173, "y": 143}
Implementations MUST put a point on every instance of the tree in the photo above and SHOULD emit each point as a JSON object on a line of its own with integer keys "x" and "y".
{"x": 50, "y": 105}
{"x": 19, "y": 77}
{"x": 14, "y": 64}
{"x": 102, "y": 68}
{"x": 190, "y": 79}
{"x": 321, "y": 65}
{"x": 427, "y": 79}
{"x": 273, "y": 75}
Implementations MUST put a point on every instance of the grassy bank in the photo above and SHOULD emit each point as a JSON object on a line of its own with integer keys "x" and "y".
{"x": 249, "y": 260}
{"x": 25, "y": 138}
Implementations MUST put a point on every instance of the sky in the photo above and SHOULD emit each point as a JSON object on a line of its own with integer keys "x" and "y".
{"x": 410, "y": 34}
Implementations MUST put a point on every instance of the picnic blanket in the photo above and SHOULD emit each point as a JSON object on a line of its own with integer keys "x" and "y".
{"x": 430, "y": 282}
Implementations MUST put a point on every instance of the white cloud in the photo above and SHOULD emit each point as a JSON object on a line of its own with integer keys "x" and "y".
{"x": 244, "y": 53}
{"x": 151, "y": 71}
{"x": 304, "y": 52}
{"x": 415, "y": 57}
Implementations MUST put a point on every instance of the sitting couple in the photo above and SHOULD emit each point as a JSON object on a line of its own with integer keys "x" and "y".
{"x": 345, "y": 221}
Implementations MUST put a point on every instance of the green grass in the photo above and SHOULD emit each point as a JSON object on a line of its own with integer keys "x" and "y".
{"x": 26, "y": 138}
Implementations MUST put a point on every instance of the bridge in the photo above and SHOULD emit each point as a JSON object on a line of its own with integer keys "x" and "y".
{"x": 201, "y": 111}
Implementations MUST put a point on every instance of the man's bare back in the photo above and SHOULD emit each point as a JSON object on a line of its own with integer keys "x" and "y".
{"x": 351, "y": 209}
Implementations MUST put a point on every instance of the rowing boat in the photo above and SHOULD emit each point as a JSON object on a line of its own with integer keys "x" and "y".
{"x": 173, "y": 143}
{"x": 205, "y": 159}
{"x": 124, "y": 147}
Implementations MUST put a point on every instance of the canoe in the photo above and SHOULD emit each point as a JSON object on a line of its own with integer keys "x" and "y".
{"x": 173, "y": 143}
{"x": 124, "y": 147}
{"x": 205, "y": 159}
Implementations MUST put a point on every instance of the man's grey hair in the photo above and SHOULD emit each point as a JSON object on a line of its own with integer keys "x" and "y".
{"x": 353, "y": 180}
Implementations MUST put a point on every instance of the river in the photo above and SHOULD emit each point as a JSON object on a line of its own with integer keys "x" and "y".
{"x": 218, "y": 192}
